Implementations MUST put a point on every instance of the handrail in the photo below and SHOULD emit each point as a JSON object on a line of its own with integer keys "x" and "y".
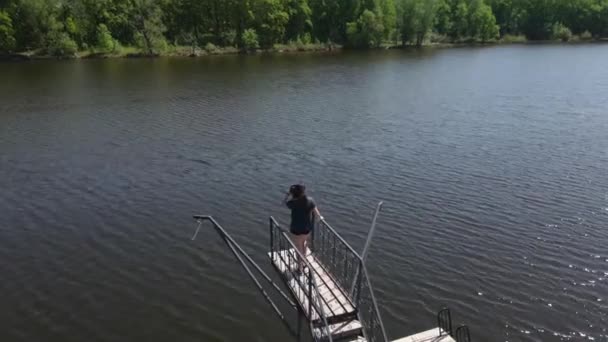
{"x": 341, "y": 265}
{"x": 318, "y": 307}
{"x": 225, "y": 234}
{"x": 239, "y": 253}
{"x": 444, "y": 321}
{"x": 350, "y": 248}
{"x": 463, "y": 334}
{"x": 374, "y": 302}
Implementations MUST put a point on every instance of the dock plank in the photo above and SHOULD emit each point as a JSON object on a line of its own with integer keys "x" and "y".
{"x": 431, "y": 335}
{"x": 332, "y": 298}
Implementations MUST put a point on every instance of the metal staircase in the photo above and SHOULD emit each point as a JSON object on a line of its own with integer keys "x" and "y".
{"x": 335, "y": 279}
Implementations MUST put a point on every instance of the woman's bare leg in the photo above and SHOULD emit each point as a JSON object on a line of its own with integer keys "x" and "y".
{"x": 299, "y": 241}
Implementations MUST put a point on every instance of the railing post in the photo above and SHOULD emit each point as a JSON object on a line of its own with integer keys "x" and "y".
{"x": 310, "y": 296}
{"x": 312, "y": 237}
{"x": 271, "y": 236}
{"x": 358, "y": 279}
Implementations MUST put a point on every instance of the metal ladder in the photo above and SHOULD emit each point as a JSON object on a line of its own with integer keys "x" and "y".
{"x": 444, "y": 322}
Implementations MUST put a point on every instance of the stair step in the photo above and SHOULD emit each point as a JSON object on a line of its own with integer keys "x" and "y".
{"x": 338, "y": 331}
{"x": 356, "y": 339}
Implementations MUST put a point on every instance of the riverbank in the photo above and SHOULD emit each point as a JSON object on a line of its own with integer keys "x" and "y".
{"x": 290, "y": 48}
{"x": 174, "y": 51}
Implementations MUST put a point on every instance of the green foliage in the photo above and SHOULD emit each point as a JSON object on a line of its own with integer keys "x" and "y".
{"x": 417, "y": 19}
{"x": 271, "y": 18}
{"x": 305, "y": 38}
{"x": 388, "y": 11}
{"x": 60, "y": 44}
{"x": 367, "y": 31}
{"x": 250, "y": 39}
{"x": 586, "y": 35}
{"x": 7, "y": 33}
{"x": 105, "y": 42}
{"x": 561, "y": 32}
{"x": 482, "y": 23}
{"x": 229, "y": 37}
{"x": 300, "y": 20}
{"x": 104, "y": 25}
{"x": 509, "y": 38}
{"x": 149, "y": 27}
{"x": 211, "y": 48}
{"x": 443, "y": 14}
{"x": 460, "y": 24}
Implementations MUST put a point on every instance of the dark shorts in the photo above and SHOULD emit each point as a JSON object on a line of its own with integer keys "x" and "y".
{"x": 300, "y": 230}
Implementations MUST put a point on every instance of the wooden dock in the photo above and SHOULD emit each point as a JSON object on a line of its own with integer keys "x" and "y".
{"x": 335, "y": 302}
{"x": 337, "y": 306}
{"x": 321, "y": 296}
{"x": 427, "y": 336}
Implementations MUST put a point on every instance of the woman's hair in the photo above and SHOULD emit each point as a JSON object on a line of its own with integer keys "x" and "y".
{"x": 297, "y": 190}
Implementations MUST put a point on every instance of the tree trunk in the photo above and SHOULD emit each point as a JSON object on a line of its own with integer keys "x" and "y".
{"x": 419, "y": 39}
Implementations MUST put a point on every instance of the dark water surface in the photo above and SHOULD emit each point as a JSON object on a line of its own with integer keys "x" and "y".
{"x": 492, "y": 162}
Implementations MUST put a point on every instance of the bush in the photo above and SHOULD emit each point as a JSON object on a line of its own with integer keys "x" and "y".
{"x": 367, "y": 31}
{"x": 7, "y": 33}
{"x": 250, "y": 39}
{"x": 509, "y": 38}
{"x": 561, "y": 32}
{"x": 157, "y": 43}
{"x": 586, "y": 35}
{"x": 299, "y": 44}
{"x": 105, "y": 42}
{"x": 60, "y": 44}
{"x": 306, "y": 38}
{"x": 211, "y": 48}
{"x": 438, "y": 38}
{"x": 229, "y": 38}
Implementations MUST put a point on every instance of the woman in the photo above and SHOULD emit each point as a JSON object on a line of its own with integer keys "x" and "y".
{"x": 303, "y": 210}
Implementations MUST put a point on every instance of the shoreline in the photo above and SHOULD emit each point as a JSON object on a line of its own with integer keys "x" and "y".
{"x": 279, "y": 49}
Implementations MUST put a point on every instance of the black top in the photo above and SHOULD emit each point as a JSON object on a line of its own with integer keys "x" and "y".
{"x": 301, "y": 212}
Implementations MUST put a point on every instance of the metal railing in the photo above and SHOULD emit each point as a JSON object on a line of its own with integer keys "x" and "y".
{"x": 246, "y": 261}
{"x": 463, "y": 334}
{"x": 304, "y": 284}
{"x": 444, "y": 322}
{"x": 348, "y": 270}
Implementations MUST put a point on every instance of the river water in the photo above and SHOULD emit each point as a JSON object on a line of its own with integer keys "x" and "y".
{"x": 492, "y": 163}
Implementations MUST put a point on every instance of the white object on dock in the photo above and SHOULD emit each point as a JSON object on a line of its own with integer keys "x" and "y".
{"x": 427, "y": 336}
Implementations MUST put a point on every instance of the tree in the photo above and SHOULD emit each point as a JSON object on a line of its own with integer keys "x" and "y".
{"x": 561, "y": 32}
{"x": 271, "y": 19}
{"x": 30, "y": 22}
{"x": 443, "y": 21}
{"x": 426, "y": 17}
{"x": 417, "y": 18}
{"x": 388, "y": 12}
{"x": 7, "y": 33}
{"x": 148, "y": 24}
{"x": 460, "y": 24}
{"x": 105, "y": 42}
{"x": 300, "y": 21}
{"x": 250, "y": 39}
{"x": 406, "y": 20}
{"x": 367, "y": 31}
{"x": 58, "y": 42}
{"x": 482, "y": 23}
{"x": 538, "y": 19}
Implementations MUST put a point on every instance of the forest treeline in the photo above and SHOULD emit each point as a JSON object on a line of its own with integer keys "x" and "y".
{"x": 63, "y": 27}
